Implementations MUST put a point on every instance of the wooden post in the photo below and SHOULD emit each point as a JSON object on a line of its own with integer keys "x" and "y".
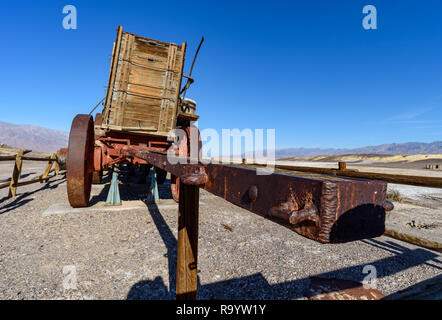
{"x": 187, "y": 255}
{"x": 342, "y": 165}
{"x": 57, "y": 165}
{"x": 15, "y": 174}
{"x": 48, "y": 168}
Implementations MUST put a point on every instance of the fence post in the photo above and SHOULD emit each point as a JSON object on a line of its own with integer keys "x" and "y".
{"x": 57, "y": 165}
{"x": 187, "y": 247}
{"x": 15, "y": 174}
{"x": 342, "y": 165}
{"x": 48, "y": 169}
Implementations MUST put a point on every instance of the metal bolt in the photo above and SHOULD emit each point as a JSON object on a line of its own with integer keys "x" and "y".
{"x": 253, "y": 193}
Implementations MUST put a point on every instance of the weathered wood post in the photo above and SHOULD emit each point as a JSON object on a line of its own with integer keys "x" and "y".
{"x": 15, "y": 174}
{"x": 44, "y": 176}
{"x": 57, "y": 165}
{"x": 187, "y": 255}
{"x": 342, "y": 165}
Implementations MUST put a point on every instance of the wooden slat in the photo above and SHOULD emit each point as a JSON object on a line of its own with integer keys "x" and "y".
{"x": 112, "y": 73}
{"x": 4, "y": 185}
{"x": 36, "y": 158}
{"x": 163, "y": 124}
{"x": 7, "y": 158}
{"x": 176, "y": 111}
{"x": 125, "y": 76}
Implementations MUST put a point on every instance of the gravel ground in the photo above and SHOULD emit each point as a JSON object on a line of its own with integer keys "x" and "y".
{"x": 131, "y": 254}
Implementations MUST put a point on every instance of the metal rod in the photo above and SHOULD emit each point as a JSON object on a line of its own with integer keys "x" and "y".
{"x": 191, "y": 68}
{"x": 196, "y": 54}
{"x": 96, "y": 105}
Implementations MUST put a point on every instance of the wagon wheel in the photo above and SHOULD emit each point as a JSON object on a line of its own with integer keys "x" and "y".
{"x": 183, "y": 151}
{"x": 80, "y": 160}
{"x": 97, "y": 177}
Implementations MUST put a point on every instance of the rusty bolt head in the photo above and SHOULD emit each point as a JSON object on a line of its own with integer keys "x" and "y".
{"x": 253, "y": 193}
{"x": 388, "y": 206}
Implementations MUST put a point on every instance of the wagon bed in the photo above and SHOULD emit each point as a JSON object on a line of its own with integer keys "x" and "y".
{"x": 144, "y": 86}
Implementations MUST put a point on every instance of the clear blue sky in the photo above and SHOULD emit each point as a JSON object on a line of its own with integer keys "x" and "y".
{"x": 306, "y": 68}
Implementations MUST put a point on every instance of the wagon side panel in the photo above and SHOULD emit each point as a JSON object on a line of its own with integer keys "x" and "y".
{"x": 146, "y": 86}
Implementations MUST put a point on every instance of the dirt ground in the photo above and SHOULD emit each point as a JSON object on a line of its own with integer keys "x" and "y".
{"x": 48, "y": 251}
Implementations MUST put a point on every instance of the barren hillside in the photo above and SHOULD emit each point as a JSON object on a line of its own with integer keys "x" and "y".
{"x": 32, "y": 137}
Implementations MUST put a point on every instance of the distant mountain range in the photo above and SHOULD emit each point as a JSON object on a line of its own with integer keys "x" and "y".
{"x": 392, "y": 148}
{"x": 32, "y": 137}
{"x": 48, "y": 140}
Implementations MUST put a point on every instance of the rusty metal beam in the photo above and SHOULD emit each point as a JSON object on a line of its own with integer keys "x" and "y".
{"x": 325, "y": 210}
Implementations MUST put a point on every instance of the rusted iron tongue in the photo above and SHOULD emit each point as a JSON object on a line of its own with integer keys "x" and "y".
{"x": 340, "y": 289}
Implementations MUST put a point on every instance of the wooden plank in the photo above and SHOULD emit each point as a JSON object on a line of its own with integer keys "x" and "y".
{"x": 4, "y": 185}
{"x": 36, "y": 158}
{"x": 112, "y": 74}
{"x": 176, "y": 111}
{"x": 135, "y": 128}
{"x": 187, "y": 255}
{"x": 126, "y": 73}
{"x": 35, "y": 180}
{"x": 13, "y": 151}
{"x": 15, "y": 174}
{"x": 7, "y": 158}
{"x": 166, "y": 105}
{"x": 419, "y": 241}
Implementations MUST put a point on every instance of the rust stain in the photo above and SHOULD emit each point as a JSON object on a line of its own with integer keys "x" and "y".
{"x": 340, "y": 289}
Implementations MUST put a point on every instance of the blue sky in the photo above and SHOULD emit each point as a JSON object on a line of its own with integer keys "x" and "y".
{"x": 305, "y": 68}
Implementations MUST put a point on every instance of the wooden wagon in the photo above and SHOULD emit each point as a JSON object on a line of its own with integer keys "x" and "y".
{"x": 145, "y": 102}
{"x": 142, "y": 108}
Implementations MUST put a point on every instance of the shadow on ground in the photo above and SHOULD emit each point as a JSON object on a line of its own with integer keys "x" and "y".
{"x": 256, "y": 286}
{"x": 24, "y": 198}
{"x": 21, "y": 177}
